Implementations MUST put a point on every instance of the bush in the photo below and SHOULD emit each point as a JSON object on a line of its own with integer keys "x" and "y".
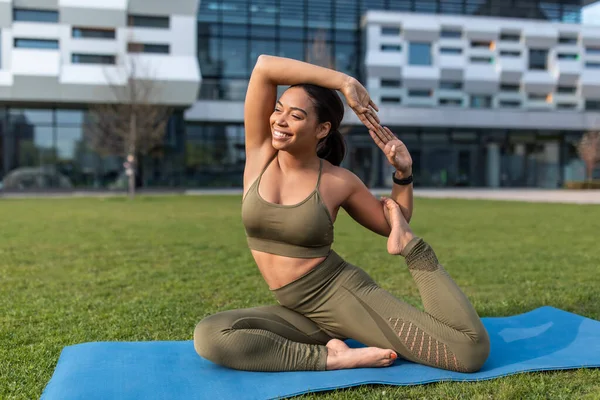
{"x": 594, "y": 184}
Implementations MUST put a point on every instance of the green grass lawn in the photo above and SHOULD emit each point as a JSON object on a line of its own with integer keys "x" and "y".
{"x": 82, "y": 270}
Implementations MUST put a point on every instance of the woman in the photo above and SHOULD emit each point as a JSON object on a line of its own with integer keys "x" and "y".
{"x": 293, "y": 189}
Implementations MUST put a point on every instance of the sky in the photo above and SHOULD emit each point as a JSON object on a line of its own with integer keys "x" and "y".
{"x": 591, "y": 14}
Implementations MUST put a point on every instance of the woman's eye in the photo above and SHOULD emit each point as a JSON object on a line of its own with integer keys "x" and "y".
{"x": 296, "y": 116}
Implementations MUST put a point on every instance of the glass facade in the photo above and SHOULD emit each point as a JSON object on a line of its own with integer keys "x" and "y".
{"x": 232, "y": 33}
{"x": 45, "y": 149}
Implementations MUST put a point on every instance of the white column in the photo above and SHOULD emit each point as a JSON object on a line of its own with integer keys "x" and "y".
{"x": 493, "y": 165}
{"x": 551, "y": 157}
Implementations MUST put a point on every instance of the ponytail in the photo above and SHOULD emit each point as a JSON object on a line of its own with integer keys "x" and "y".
{"x": 332, "y": 148}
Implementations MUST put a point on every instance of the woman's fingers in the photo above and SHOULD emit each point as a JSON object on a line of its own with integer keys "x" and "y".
{"x": 377, "y": 140}
{"x": 372, "y": 104}
{"x": 388, "y": 133}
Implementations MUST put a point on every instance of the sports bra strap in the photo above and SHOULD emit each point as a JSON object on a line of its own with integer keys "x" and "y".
{"x": 267, "y": 165}
{"x": 320, "y": 171}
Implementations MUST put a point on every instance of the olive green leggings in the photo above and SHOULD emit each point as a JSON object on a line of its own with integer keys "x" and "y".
{"x": 339, "y": 300}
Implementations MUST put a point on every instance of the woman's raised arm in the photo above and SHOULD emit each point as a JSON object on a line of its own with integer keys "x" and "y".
{"x": 271, "y": 71}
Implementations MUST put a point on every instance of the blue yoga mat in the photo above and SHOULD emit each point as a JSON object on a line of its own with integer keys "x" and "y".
{"x": 543, "y": 339}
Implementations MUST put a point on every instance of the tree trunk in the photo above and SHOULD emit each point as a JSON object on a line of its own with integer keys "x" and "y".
{"x": 131, "y": 158}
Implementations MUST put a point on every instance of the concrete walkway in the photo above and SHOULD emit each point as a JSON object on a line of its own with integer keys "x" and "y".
{"x": 505, "y": 194}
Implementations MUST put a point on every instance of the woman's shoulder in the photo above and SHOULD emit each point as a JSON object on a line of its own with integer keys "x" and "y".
{"x": 339, "y": 173}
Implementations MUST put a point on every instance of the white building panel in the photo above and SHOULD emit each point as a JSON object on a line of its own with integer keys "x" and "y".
{"x": 36, "y": 62}
{"x": 420, "y": 77}
{"x": 39, "y": 4}
{"x": 451, "y": 66}
{"x": 590, "y": 84}
{"x": 566, "y": 71}
{"x": 163, "y": 7}
{"x": 511, "y": 68}
{"x": 539, "y": 82}
{"x": 489, "y": 53}
{"x": 540, "y": 35}
{"x": 590, "y": 35}
{"x": 5, "y": 13}
{"x": 384, "y": 64}
{"x": 183, "y": 26}
{"x": 95, "y": 5}
{"x": 6, "y": 44}
{"x": 482, "y": 29}
{"x": 421, "y": 28}
{"x": 34, "y": 30}
{"x": 77, "y": 70}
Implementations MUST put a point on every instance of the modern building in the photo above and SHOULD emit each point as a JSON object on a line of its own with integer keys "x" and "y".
{"x": 59, "y": 56}
{"x": 485, "y": 93}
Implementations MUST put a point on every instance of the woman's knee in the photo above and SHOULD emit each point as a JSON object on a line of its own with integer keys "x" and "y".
{"x": 208, "y": 339}
{"x": 476, "y": 354}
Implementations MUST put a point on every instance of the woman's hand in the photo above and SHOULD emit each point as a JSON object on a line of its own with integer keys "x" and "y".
{"x": 359, "y": 100}
{"x": 393, "y": 148}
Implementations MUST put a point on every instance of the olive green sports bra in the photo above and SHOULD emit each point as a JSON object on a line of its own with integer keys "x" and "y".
{"x": 302, "y": 230}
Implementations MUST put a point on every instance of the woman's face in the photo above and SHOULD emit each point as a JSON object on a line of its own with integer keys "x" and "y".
{"x": 294, "y": 123}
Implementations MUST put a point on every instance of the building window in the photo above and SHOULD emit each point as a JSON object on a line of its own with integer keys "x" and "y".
{"x": 451, "y": 102}
{"x": 538, "y": 59}
{"x": 593, "y": 105}
{"x": 566, "y": 106}
{"x": 509, "y": 103}
{"x": 93, "y": 33}
{"x": 592, "y": 65}
{"x": 390, "y": 47}
{"x": 145, "y": 21}
{"x": 567, "y": 56}
{"x": 481, "y": 60}
{"x": 477, "y": 44}
{"x": 450, "y": 50}
{"x": 481, "y": 102}
{"x": 537, "y": 97}
{"x": 420, "y": 93}
{"x": 390, "y": 31}
{"x": 451, "y": 85}
{"x": 36, "y": 44}
{"x": 30, "y": 15}
{"x": 147, "y": 48}
{"x": 510, "y": 53}
{"x": 510, "y": 37}
{"x": 509, "y": 87}
{"x": 567, "y": 40}
{"x": 93, "y": 59}
{"x": 451, "y": 34}
{"x": 419, "y": 53}
{"x": 592, "y": 50}
{"x": 390, "y": 99}
{"x": 391, "y": 83}
{"x": 566, "y": 89}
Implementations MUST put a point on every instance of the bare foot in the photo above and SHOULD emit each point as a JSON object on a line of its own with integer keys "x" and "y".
{"x": 401, "y": 233}
{"x": 340, "y": 356}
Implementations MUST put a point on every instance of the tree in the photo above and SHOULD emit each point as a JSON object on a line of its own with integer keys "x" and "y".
{"x": 589, "y": 151}
{"x": 319, "y": 53}
{"x": 133, "y": 123}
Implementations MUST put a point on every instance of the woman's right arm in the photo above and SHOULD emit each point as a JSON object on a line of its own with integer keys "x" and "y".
{"x": 271, "y": 71}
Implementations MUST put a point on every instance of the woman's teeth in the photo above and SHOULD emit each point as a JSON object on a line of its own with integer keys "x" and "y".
{"x": 280, "y": 135}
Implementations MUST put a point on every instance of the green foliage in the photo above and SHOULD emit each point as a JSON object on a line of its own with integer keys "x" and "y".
{"x": 81, "y": 270}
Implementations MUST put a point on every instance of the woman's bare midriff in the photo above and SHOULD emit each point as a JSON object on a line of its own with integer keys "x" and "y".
{"x": 278, "y": 271}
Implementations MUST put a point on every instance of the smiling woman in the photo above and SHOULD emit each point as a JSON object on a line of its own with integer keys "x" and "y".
{"x": 293, "y": 189}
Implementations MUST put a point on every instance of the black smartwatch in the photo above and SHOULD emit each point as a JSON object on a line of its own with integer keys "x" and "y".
{"x": 404, "y": 181}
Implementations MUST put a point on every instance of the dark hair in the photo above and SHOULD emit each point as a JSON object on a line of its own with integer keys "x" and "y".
{"x": 330, "y": 109}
